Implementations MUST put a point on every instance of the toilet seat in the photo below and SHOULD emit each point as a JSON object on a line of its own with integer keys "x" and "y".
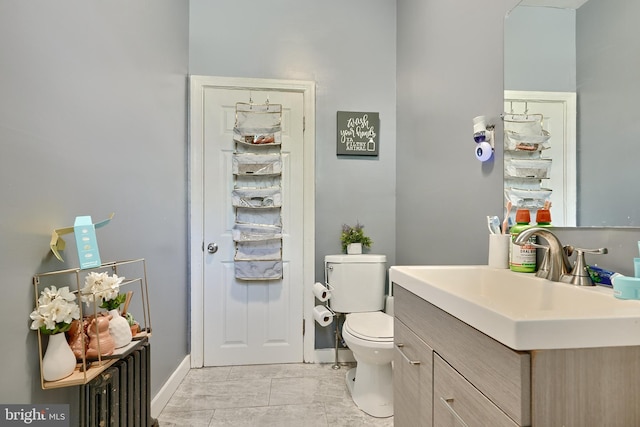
{"x": 371, "y": 326}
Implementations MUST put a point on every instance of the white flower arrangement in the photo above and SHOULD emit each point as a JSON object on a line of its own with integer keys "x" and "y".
{"x": 102, "y": 288}
{"x": 55, "y": 311}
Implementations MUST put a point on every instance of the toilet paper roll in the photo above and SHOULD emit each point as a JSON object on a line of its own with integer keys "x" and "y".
{"x": 322, "y": 315}
{"x": 321, "y": 292}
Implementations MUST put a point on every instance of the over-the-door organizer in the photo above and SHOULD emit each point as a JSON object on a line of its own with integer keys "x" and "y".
{"x": 257, "y": 192}
{"x": 524, "y": 168}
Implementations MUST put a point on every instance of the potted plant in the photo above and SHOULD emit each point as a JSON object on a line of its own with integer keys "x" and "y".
{"x": 133, "y": 323}
{"x": 55, "y": 311}
{"x": 100, "y": 287}
{"x": 353, "y": 239}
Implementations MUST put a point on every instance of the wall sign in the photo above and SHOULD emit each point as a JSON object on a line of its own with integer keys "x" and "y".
{"x": 358, "y": 133}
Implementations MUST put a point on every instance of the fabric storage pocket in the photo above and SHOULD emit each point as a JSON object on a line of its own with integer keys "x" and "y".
{"x": 258, "y": 124}
{"x": 255, "y": 232}
{"x": 258, "y": 270}
{"x": 257, "y": 164}
{"x": 259, "y": 250}
{"x": 525, "y": 124}
{"x": 257, "y": 138}
{"x": 527, "y": 168}
{"x": 257, "y": 197}
{"x": 515, "y": 141}
{"x": 264, "y": 216}
{"x": 528, "y": 199}
{"x": 258, "y": 119}
{"x": 257, "y": 181}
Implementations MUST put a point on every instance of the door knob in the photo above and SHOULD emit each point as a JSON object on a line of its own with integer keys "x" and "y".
{"x": 212, "y": 248}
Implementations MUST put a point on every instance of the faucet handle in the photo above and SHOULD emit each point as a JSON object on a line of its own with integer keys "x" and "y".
{"x": 598, "y": 251}
{"x": 579, "y": 274}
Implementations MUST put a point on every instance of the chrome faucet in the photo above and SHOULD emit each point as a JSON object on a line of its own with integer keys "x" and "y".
{"x": 556, "y": 265}
{"x": 556, "y": 259}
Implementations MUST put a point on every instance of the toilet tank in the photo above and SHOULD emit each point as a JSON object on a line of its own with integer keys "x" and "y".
{"x": 356, "y": 282}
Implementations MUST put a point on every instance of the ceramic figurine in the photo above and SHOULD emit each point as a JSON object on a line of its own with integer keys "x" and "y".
{"x": 98, "y": 332}
{"x": 75, "y": 337}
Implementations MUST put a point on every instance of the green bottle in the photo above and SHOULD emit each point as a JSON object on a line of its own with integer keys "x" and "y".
{"x": 543, "y": 218}
{"x": 522, "y": 258}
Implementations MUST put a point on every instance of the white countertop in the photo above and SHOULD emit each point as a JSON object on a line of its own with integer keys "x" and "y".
{"x": 522, "y": 311}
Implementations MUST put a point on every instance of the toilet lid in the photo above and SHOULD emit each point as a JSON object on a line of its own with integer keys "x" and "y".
{"x": 372, "y": 326}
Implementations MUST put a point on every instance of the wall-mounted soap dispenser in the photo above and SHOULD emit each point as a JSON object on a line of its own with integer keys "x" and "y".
{"x": 483, "y": 137}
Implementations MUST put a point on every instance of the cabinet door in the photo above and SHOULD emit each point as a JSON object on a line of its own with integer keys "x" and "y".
{"x": 457, "y": 403}
{"x": 412, "y": 379}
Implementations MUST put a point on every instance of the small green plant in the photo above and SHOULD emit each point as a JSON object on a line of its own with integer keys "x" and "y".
{"x": 130, "y": 318}
{"x": 354, "y": 234}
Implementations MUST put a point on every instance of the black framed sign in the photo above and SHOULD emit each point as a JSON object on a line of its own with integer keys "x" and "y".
{"x": 358, "y": 133}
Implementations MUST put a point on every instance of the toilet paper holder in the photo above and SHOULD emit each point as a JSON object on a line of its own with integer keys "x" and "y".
{"x": 329, "y": 308}
{"x": 323, "y": 297}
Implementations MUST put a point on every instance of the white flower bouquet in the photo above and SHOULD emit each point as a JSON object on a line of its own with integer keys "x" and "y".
{"x": 55, "y": 311}
{"x": 102, "y": 288}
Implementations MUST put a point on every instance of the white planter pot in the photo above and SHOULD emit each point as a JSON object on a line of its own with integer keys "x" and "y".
{"x": 58, "y": 361}
{"x": 119, "y": 329}
{"x": 354, "y": 248}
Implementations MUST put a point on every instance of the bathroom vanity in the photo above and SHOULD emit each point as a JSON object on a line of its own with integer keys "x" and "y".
{"x": 507, "y": 349}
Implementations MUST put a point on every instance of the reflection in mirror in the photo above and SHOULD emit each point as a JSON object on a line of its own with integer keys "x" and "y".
{"x": 589, "y": 48}
{"x": 557, "y": 160}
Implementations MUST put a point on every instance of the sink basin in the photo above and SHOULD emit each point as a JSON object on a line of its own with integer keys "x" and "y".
{"x": 522, "y": 311}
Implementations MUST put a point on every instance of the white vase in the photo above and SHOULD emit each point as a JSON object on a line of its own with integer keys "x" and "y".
{"x": 119, "y": 329}
{"x": 354, "y": 248}
{"x": 58, "y": 361}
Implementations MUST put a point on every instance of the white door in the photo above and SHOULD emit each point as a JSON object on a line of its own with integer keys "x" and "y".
{"x": 250, "y": 322}
{"x": 559, "y": 112}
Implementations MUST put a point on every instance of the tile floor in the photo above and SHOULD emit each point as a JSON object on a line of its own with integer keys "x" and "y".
{"x": 300, "y": 395}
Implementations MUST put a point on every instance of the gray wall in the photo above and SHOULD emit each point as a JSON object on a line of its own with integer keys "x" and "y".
{"x": 443, "y": 193}
{"x": 348, "y": 49}
{"x": 621, "y": 242}
{"x": 608, "y": 130}
{"x": 92, "y": 121}
{"x": 540, "y": 49}
{"x": 449, "y": 70}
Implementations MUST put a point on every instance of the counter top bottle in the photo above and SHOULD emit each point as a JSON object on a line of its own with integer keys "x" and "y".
{"x": 543, "y": 218}
{"x": 522, "y": 258}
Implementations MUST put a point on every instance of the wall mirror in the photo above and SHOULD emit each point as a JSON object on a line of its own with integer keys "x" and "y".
{"x": 588, "y": 48}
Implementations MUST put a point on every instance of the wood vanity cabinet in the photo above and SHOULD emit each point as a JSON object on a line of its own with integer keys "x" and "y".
{"x": 465, "y": 378}
{"x": 413, "y": 378}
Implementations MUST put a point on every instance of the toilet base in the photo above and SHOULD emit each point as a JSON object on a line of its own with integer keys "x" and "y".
{"x": 372, "y": 391}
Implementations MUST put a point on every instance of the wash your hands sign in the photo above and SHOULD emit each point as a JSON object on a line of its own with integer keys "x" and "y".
{"x": 358, "y": 133}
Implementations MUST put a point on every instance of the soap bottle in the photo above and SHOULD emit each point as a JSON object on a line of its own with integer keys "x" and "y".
{"x": 543, "y": 218}
{"x": 522, "y": 258}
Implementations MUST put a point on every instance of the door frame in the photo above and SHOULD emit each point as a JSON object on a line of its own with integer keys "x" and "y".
{"x": 197, "y": 86}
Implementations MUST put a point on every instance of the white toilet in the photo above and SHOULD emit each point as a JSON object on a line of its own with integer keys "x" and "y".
{"x": 357, "y": 289}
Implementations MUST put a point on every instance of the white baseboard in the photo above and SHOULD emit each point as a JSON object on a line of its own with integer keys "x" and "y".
{"x": 161, "y": 399}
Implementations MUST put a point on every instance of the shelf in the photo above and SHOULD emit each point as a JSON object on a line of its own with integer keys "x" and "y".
{"x": 96, "y": 367}
{"x": 135, "y": 268}
{"x": 78, "y": 377}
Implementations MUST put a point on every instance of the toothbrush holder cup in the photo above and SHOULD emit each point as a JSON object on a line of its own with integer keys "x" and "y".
{"x": 499, "y": 250}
